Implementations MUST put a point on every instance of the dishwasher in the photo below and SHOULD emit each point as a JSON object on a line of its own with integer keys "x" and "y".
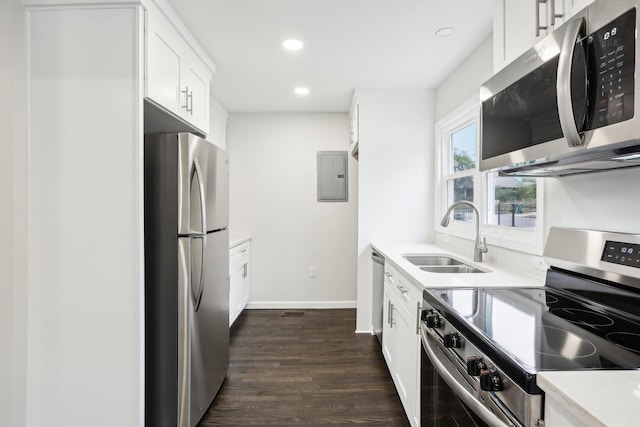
{"x": 377, "y": 292}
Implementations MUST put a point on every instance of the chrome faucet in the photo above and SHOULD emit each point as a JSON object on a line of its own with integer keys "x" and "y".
{"x": 480, "y": 248}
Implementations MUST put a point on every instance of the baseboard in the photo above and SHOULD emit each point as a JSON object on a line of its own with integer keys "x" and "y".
{"x": 276, "y": 305}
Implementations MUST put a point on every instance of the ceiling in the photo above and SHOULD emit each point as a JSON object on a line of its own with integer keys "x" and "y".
{"x": 348, "y": 44}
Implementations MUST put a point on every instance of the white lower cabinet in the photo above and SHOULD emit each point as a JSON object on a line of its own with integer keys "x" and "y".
{"x": 401, "y": 341}
{"x": 239, "y": 280}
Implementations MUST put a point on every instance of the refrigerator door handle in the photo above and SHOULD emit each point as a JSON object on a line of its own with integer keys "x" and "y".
{"x": 198, "y": 295}
{"x": 184, "y": 335}
{"x": 197, "y": 171}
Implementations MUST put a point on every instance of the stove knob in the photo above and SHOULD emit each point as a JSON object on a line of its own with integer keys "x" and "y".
{"x": 433, "y": 320}
{"x": 490, "y": 381}
{"x": 475, "y": 365}
{"x": 452, "y": 340}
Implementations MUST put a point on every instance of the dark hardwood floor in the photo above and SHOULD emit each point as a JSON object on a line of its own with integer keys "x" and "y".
{"x": 291, "y": 367}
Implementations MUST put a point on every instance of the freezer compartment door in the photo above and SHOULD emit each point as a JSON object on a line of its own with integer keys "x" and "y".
{"x": 203, "y": 186}
{"x": 209, "y": 319}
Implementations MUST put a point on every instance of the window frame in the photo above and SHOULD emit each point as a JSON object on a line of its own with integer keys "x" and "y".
{"x": 522, "y": 240}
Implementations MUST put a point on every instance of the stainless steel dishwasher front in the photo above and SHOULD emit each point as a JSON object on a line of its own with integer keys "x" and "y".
{"x": 377, "y": 292}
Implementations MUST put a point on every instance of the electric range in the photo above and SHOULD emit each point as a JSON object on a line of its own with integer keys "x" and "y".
{"x": 488, "y": 344}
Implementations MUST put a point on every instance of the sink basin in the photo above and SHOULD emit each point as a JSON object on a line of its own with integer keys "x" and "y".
{"x": 463, "y": 268}
{"x": 440, "y": 263}
{"x": 432, "y": 260}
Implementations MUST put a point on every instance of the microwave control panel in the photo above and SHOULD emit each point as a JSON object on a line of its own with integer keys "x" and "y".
{"x": 612, "y": 78}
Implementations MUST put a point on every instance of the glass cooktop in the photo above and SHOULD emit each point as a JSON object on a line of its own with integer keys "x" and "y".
{"x": 572, "y": 323}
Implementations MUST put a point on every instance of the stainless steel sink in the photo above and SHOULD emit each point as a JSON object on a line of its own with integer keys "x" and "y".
{"x": 440, "y": 263}
{"x": 463, "y": 268}
{"x": 432, "y": 260}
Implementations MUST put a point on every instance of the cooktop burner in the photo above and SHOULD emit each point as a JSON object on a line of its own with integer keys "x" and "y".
{"x": 627, "y": 340}
{"x": 560, "y": 343}
{"x": 583, "y": 317}
{"x": 545, "y": 328}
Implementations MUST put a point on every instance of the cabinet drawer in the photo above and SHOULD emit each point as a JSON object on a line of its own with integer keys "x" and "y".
{"x": 405, "y": 291}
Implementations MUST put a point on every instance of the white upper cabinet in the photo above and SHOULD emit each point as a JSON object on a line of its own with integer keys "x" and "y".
{"x": 576, "y": 5}
{"x": 176, "y": 79}
{"x": 519, "y": 24}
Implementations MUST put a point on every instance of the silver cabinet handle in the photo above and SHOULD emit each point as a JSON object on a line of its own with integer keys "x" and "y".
{"x": 563, "y": 86}
{"x": 393, "y": 307}
{"x": 188, "y": 96}
{"x": 418, "y": 313}
{"x": 388, "y": 274}
{"x": 553, "y": 15}
{"x": 389, "y": 312}
{"x": 538, "y": 26}
{"x": 402, "y": 289}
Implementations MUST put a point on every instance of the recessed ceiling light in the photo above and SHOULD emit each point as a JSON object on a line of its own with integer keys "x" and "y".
{"x": 444, "y": 32}
{"x": 292, "y": 44}
{"x": 301, "y": 91}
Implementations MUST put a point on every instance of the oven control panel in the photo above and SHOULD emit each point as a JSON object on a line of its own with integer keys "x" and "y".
{"x": 621, "y": 253}
{"x": 479, "y": 377}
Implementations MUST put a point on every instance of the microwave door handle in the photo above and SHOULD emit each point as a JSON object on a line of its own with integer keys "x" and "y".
{"x": 563, "y": 86}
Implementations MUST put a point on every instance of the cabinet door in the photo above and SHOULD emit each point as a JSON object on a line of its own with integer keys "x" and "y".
{"x": 163, "y": 66}
{"x": 388, "y": 332}
{"x": 519, "y": 24}
{"x": 245, "y": 284}
{"x": 407, "y": 372}
{"x": 195, "y": 95}
{"x": 235, "y": 292}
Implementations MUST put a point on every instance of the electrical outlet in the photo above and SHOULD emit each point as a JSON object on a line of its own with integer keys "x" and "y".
{"x": 312, "y": 272}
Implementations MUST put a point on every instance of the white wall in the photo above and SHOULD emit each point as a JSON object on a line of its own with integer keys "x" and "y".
{"x": 6, "y": 217}
{"x": 273, "y": 198}
{"x": 13, "y": 290}
{"x": 607, "y": 201}
{"x": 395, "y": 177}
{"x": 85, "y": 239}
{"x": 465, "y": 80}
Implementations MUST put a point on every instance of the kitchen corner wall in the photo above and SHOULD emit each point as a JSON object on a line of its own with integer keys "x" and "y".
{"x": 13, "y": 291}
{"x": 395, "y": 177}
{"x": 273, "y": 199}
{"x": 6, "y": 219}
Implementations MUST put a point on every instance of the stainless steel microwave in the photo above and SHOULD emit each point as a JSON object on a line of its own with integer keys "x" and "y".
{"x": 568, "y": 104}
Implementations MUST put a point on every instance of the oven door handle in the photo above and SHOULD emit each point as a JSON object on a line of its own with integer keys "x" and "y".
{"x": 477, "y": 407}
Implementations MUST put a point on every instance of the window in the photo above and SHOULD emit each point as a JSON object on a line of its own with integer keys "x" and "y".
{"x": 460, "y": 166}
{"x": 509, "y": 206}
{"x": 512, "y": 201}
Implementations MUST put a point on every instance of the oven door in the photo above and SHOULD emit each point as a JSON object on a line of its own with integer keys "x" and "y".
{"x": 439, "y": 405}
{"x": 447, "y": 399}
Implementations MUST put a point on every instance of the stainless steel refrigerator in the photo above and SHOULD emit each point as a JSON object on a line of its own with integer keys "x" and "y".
{"x": 186, "y": 200}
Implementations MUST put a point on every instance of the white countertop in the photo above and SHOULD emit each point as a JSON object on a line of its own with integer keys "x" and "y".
{"x": 236, "y": 239}
{"x": 496, "y": 276}
{"x": 606, "y": 398}
{"x": 595, "y": 398}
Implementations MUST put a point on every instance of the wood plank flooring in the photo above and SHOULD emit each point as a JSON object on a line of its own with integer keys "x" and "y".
{"x": 291, "y": 367}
